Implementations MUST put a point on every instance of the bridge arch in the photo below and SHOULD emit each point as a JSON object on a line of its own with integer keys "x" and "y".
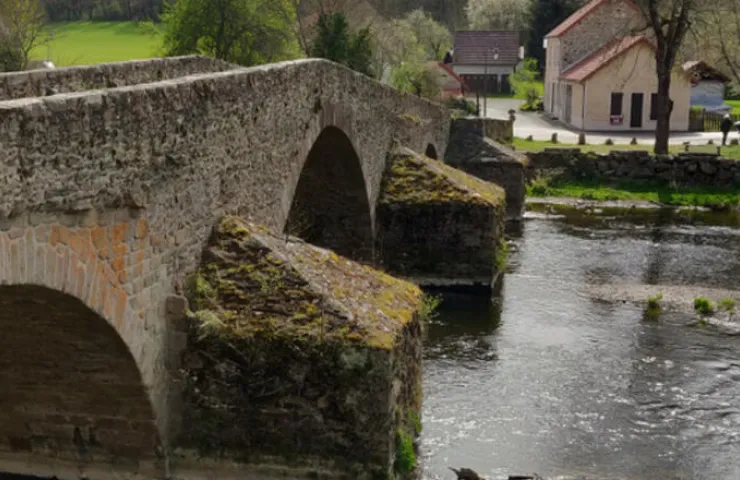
{"x": 71, "y": 388}
{"x": 72, "y": 354}
{"x": 330, "y": 207}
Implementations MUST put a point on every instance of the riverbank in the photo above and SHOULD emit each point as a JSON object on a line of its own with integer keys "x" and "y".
{"x": 655, "y": 193}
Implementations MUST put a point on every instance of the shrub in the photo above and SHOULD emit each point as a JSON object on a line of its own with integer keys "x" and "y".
{"x": 728, "y": 305}
{"x": 554, "y": 138}
{"x": 581, "y": 138}
{"x": 734, "y": 142}
{"x": 609, "y": 141}
{"x": 633, "y": 141}
{"x": 461, "y": 103}
{"x": 540, "y": 186}
{"x": 703, "y": 306}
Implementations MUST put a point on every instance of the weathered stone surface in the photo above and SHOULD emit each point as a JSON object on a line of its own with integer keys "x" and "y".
{"x": 110, "y": 196}
{"x": 472, "y": 149}
{"x": 439, "y": 225}
{"x": 298, "y": 357}
{"x": 686, "y": 169}
{"x": 41, "y": 83}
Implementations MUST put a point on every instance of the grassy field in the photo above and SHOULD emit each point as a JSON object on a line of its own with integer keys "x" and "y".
{"x": 730, "y": 151}
{"x": 84, "y": 43}
{"x": 735, "y": 104}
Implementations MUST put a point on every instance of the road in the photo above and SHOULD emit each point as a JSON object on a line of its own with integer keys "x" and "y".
{"x": 540, "y": 128}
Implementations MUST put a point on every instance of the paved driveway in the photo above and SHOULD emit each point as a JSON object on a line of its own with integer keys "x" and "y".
{"x": 540, "y": 128}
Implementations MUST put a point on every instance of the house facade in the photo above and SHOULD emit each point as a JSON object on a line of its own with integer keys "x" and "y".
{"x": 485, "y": 59}
{"x": 450, "y": 84}
{"x": 707, "y": 87}
{"x": 600, "y": 76}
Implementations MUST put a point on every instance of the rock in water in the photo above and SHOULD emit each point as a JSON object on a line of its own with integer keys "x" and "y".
{"x": 466, "y": 474}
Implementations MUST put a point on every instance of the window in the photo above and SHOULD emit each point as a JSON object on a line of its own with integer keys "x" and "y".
{"x": 616, "y": 108}
{"x": 653, "y": 106}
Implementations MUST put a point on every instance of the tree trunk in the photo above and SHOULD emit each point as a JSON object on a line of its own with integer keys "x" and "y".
{"x": 663, "y": 124}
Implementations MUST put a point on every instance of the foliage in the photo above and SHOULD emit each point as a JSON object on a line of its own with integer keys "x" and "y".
{"x": 246, "y": 33}
{"x": 86, "y": 43}
{"x": 526, "y": 84}
{"x": 433, "y": 37}
{"x": 727, "y": 305}
{"x": 20, "y": 32}
{"x": 429, "y": 306}
{"x": 416, "y": 78}
{"x": 335, "y": 42}
{"x": 545, "y": 15}
{"x": 653, "y": 305}
{"x": 498, "y": 14}
{"x": 502, "y": 255}
{"x": 405, "y": 454}
{"x": 703, "y": 306}
{"x": 103, "y": 10}
{"x": 461, "y": 103}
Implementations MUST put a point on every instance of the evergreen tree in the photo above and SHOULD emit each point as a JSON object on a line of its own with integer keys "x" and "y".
{"x": 335, "y": 42}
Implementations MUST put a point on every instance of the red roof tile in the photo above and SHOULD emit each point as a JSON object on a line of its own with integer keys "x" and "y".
{"x": 598, "y": 60}
{"x": 471, "y": 47}
{"x": 580, "y": 14}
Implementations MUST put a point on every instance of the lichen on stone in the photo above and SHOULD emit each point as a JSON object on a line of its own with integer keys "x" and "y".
{"x": 411, "y": 179}
{"x": 255, "y": 282}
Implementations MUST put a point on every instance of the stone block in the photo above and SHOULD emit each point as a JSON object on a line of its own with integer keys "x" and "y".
{"x": 297, "y": 358}
{"x": 426, "y": 216}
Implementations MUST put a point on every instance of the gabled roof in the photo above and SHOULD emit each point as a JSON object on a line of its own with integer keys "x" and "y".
{"x": 448, "y": 79}
{"x": 602, "y": 57}
{"x": 472, "y": 47}
{"x": 580, "y": 14}
{"x": 700, "y": 70}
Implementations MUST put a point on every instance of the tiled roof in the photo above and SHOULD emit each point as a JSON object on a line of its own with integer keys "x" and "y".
{"x": 471, "y": 47}
{"x": 580, "y": 14}
{"x": 598, "y": 60}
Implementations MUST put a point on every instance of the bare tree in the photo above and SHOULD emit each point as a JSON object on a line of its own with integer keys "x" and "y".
{"x": 668, "y": 22}
{"x": 20, "y": 32}
{"x": 726, "y": 25}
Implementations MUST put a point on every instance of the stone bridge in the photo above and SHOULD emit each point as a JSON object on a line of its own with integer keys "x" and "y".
{"x": 111, "y": 179}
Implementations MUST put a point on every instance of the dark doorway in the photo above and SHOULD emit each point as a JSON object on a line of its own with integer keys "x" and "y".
{"x": 636, "y": 113}
{"x": 431, "y": 152}
{"x": 330, "y": 207}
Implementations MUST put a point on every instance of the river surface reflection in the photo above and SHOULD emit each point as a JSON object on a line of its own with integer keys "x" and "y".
{"x": 546, "y": 379}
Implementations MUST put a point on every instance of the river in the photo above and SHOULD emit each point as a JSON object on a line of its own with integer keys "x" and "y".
{"x": 547, "y": 378}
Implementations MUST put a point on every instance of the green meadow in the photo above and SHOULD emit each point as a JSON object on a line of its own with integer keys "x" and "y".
{"x": 85, "y": 43}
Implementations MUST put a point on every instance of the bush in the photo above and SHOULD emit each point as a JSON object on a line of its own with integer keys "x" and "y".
{"x": 653, "y": 305}
{"x": 703, "y": 306}
{"x": 728, "y": 305}
{"x": 609, "y": 141}
{"x": 461, "y": 103}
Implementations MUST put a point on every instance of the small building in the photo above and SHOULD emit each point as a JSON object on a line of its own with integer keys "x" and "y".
{"x": 600, "y": 76}
{"x": 707, "y": 87}
{"x": 485, "y": 59}
{"x": 450, "y": 84}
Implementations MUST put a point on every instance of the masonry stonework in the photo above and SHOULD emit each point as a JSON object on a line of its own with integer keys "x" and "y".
{"x": 614, "y": 19}
{"x": 41, "y": 83}
{"x": 108, "y": 196}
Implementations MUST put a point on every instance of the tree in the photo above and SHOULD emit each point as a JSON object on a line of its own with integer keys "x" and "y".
{"x": 544, "y": 16}
{"x": 335, "y": 42}
{"x": 20, "y": 32}
{"x": 668, "y": 22}
{"x": 724, "y": 32}
{"x": 416, "y": 78}
{"x": 498, "y": 14}
{"x": 433, "y": 37}
{"x": 244, "y": 32}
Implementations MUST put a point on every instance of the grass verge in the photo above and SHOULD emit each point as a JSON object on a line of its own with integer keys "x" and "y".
{"x": 632, "y": 190}
{"x": 729, "y": 151}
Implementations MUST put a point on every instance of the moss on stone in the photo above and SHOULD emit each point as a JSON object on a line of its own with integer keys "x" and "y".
{"x": 405, "y": 463}
{"x": 414, "y": 179}
{"x": 253, "y": 282}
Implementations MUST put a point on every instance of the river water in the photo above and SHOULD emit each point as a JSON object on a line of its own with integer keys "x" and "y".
{"x": 545, "y": 378}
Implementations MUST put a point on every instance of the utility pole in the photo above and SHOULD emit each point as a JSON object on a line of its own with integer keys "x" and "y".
{"x": 485, "y": 80}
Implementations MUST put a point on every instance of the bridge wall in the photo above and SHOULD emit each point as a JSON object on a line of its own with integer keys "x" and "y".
{"x": 41, "y": 83}
{"x": 110, "y": 195}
